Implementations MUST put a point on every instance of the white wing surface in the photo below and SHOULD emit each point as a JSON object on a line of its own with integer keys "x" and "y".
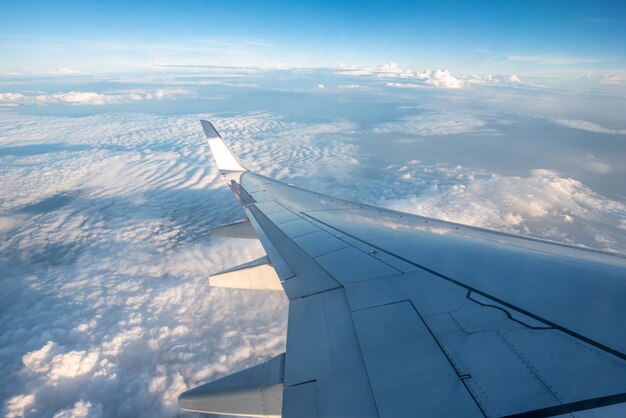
{"x": 397, "y": 315}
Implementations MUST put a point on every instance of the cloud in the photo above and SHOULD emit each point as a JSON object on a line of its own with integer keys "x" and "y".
{"x": 436, "y": 78}
{"x": 120, "y": 318}
{"x": 389, "y": 69}
{"x": 19, "y": 406}
{"x": 57, "y": 365}
{"x": 543, "y": 204}
{"x": 612, "y": 79}
{"x": 108, "y": 248}
{"x": 352, "y": 86}
{"x": 405, "y": 85}
{"x": 431, "y": 123}
{"x": 595, "y": 165}
{"x": 587, "y": 126}
{"x": 105, "y": 241}
{"x": 64, "y": 71}
{"x": 81, "y": 409}
{"x": 394, "y": 76}
{"x": 491, "y": 80}
{"x": 90, "y": 98}
{"x": 440, "y": 78}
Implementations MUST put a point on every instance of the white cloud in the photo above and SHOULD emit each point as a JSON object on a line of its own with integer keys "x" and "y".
{"x": 440, "y": 78}
{"x": 543, "y": 204}
{"x": 436, "y": 78}
{"x": 81, "y": 409}
{"x": 64, "y": 71}
{"x": 169, "y": 94}
{"x": 613, "y": 78}
{"x": 431, "y": 123}
{"x": 352, "y": 86}
{"x": 394, "y": 76}
{"x": 513, "y": 78}
{"x": 57, "y": 365}
{"x": 11, "y": 98}
{"x": 20, "y": 406}
{"x": 390, "y": 69}
{"x": 493, "y": 80}
{"x": 83, "y": 98}
{"x": 90, "y": 98}
{"x": 587, "y": 126}
{"x": 405, "y": 85}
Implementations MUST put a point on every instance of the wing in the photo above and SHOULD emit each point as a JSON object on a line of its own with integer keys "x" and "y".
{"x": 397, "y": 315}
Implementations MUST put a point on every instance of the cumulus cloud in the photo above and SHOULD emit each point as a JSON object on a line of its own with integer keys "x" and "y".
{"x": 91, "y": 98}
{"x": 20, "y": 406}
{"x": 494, "y": 80}
{"x": 441, "y": 78}
{"x": 543, "y": 204}
{"x": 513, "y": 78}
{"x": 81, "y": 409}
{"x": 56, "y": 365}
{"x": 436, "y": 78}
{"x": 587, "y": 126}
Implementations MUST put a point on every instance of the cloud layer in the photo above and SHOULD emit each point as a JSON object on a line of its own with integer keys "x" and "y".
{"x": 105, "y": 243}
{"x": 105, "y": 229}
{"x": 91, "y": 98}
{"x": 588, "y": 126}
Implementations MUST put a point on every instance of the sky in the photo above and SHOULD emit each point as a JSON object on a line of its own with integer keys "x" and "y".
{"x": 503, "y": 116}
{"x": 530, "y": 38}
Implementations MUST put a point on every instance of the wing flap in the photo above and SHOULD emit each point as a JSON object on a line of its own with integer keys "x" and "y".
{"x": 322, "y": 348}
{"x": 407, "y": 369}
{"x": 256, "y": 275}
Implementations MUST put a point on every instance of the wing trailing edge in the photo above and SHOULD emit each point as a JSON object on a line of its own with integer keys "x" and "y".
{"x": 253, "y": 392}
{"x": 256, "y": 275}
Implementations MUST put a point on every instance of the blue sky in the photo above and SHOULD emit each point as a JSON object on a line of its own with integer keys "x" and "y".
{"x": 535, "y": 38}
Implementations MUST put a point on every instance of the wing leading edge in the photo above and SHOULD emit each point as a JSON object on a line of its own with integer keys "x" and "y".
{"x": 393, "y": 314}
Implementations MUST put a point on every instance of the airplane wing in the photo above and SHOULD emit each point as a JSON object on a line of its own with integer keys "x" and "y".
{"x": 397, "y": 315}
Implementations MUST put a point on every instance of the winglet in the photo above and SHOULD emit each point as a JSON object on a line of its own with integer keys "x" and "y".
{"x": 225, "y": 159}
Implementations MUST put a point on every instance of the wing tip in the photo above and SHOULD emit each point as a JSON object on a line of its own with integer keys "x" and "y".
{"x": 209, "y": 129}
{"x": 225, "y": 159}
